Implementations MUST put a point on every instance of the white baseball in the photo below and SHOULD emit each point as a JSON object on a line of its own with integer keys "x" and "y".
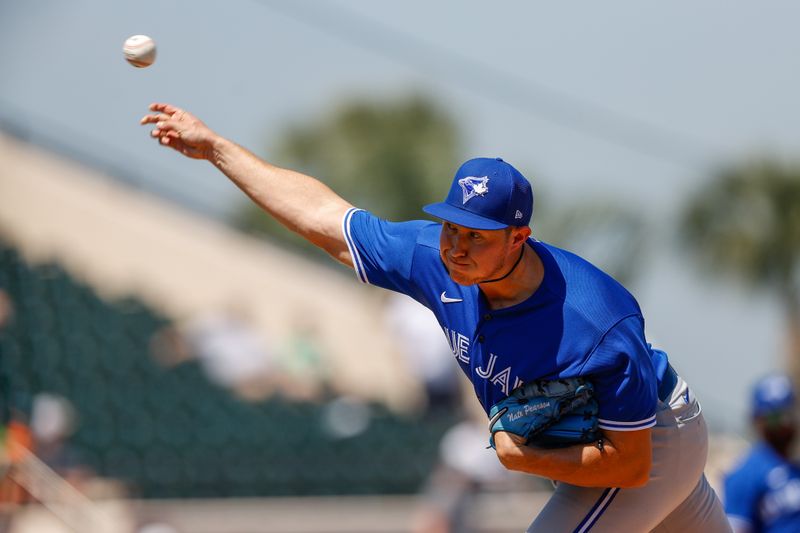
{"x": 140, "y": 50}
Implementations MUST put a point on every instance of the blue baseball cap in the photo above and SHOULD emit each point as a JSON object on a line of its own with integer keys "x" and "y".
{"x": 487, "y": 193}
{"x": 772, "y": 393}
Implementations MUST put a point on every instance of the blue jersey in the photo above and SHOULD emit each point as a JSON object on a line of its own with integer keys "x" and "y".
{"x": 579, "y": 322}
{"x": 763, "y": 492}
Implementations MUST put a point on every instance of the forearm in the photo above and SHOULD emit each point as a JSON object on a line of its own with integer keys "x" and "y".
{"x": 301, "y": 203}
{"x": 585, "y": 465}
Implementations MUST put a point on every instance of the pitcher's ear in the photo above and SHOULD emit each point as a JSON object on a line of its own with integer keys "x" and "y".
{"x": 521, "y": 234}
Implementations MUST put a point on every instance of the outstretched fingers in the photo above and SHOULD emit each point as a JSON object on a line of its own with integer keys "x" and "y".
{"x": 163, "y": 113}
{"x": 178, "y": 129}
{"x": 155, "y": 118}
{"x": 166, "y": 124}
{"x": 164, "y": 108}
{"x": 173, "y": 140}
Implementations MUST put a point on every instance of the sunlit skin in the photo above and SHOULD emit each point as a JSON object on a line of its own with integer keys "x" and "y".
{"x": 474, "y": 256}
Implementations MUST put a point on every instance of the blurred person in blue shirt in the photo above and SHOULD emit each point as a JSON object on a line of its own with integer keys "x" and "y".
{"x": 762, "y": 492}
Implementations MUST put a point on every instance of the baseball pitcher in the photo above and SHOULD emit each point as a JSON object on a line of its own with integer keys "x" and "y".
{"x": 554, "y": 348}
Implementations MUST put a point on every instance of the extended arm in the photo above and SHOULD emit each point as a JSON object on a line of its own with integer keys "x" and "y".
{"x": 301, "y": 203}
{"x": 624, "y": 460}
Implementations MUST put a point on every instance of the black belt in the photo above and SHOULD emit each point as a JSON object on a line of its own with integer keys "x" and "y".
{"x": 668, "y": 382}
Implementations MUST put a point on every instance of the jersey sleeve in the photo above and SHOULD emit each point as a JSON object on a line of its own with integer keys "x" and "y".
{"x": 740, "y": 497}
{"x": 625, "y": 382}
{"x": 382, "y": 251}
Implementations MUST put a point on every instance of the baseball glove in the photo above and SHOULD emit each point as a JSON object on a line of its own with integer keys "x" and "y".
{"x": 548, "y": 414}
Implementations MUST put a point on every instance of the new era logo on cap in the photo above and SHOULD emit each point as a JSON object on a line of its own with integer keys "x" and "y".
{"x": 486, "y": 194}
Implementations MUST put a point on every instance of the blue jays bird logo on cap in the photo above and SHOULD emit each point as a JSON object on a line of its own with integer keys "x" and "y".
{"x": 472, "y": 186}
{"x": 509, "y": 203}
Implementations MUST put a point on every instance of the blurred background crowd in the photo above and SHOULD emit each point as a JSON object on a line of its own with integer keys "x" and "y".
{"x": 171, "y": 361}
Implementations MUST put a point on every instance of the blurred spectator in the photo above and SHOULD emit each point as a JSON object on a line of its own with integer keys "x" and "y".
{"x": 52, "y": 424}
{"x": 424, "y": 346}
{"x": 6, "y": 315}
{"x": 230, "y": 351}
{"x": 13, "y": 415}
{"x": 345, "y": 417}
{"x": 6, "y": 309}
{"x": 168, "y": 347}
{"x": 36, "y": 450}
{"x": 304, "y": 372}
{"x": 762, "y": 492}
{"x": 17, "y": 436}
{"x": 465, "y": 469}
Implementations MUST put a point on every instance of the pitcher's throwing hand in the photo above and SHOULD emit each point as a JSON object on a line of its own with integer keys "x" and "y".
{"x": 181, "y": 131}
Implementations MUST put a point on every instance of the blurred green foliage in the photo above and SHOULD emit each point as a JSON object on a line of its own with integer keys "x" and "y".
{"x": 390, "y": 157}
{"x": 394, "y": 156}
{"x": 746, "y": 224}
{"x": 169, "y": 431}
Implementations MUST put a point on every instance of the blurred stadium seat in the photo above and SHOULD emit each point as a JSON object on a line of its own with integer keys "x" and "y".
{"x": 169, "y": 432}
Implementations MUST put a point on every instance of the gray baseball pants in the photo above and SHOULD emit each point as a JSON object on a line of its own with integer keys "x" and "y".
{"x": 677, "y": 498}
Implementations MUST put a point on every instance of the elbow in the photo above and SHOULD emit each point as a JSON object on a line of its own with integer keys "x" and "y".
{"x": 507, "y": 454}
{"x": 630, "y": 456}
{"x": 504, "y": 458}
{"x": 638, "y": 474}
{"x": 635, "y": 482}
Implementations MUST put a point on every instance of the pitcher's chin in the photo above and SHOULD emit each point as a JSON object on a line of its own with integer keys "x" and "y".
{"x": 461, "y": 279}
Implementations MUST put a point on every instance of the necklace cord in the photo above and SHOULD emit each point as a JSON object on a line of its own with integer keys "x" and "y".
{"x": 519, "y": 259}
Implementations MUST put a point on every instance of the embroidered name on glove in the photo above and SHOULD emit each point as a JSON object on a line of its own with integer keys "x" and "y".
{"x": 551, "y": 413}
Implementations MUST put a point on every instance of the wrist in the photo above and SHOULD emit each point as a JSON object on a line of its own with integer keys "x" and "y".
{"x": 218, "y": 148}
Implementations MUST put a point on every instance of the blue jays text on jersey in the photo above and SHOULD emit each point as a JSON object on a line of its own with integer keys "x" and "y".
{"x": 579, "y": 322}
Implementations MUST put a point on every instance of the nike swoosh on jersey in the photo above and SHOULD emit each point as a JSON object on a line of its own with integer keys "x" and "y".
{"x": 445, "y": 299}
